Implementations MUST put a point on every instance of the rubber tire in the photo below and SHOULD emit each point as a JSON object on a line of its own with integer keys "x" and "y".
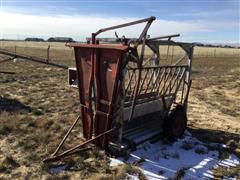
{"x": 176, "y": 123}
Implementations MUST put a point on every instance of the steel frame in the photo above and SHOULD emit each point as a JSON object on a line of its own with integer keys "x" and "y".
{"x": 114, "y": 83}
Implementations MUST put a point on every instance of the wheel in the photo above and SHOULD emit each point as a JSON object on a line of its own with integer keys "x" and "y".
{"x": 176, "y": 123}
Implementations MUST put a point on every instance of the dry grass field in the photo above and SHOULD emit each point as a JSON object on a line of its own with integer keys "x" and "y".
{"x": 39, "y": 49}
{"x": 37, "y": 107}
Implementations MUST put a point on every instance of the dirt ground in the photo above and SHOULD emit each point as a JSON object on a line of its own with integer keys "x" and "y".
{"x": 37, "y": 107}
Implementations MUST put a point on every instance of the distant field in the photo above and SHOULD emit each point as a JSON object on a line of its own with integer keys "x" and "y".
{"x": 59, "y": 52}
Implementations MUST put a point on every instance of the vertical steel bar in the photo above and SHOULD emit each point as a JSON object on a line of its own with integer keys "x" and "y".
{"x": 142, "y": 36}
{"x": 183, "y": 84}
{"x": 189, "y": 52}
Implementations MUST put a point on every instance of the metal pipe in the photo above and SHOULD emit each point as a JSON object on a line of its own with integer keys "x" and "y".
{"x": 55, "y": 158}
{"x": 68, "y": 152}
{"x": 142, "y": 36}
{"x": 67, "y": 134}
{"x": 152, "y": 18}
{"x": 163, "y": 37}
{"x": 180, "y": 60}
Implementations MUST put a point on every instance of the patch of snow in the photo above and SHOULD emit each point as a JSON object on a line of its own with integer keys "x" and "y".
{"x": 17, "y": 59}
{"x": 229, "y": 163}
{"x": 131, "y": 177}
{"x": 223, "y": 145}
{"x": 115, "y": 162}
{"x": 162, "y": 161}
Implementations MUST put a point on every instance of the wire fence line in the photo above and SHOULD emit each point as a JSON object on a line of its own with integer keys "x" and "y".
{"x": 48, "y": 53}
{"x": 62, "y": 54}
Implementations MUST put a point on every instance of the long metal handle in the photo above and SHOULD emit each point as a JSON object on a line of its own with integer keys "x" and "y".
{"x": 152, "y": 18}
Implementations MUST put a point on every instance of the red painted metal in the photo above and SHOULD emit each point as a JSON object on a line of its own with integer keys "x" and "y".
{"x": 98, "y": 64}
{"x": 84, "y": 63}
{"x": 107, "y": 71}
{"x": 98, "y": 46}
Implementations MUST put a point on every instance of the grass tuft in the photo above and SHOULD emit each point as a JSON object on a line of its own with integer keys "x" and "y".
{"x": 48, "y": 124}
{"x": 36, "y": 112}
{"x": 222, "y": 172}
{"x": 122, "y": 171}
{"x": 179, "y": 174}
{"x": 200, "y": 150}
{"x": 32, "y": 124}
{"x": 5, "y": 129}
{"x": 8, "y": 164}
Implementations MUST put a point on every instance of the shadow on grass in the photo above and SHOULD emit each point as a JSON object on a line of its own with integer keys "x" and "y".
{"x": 13, "y": 105}
{"x": 214, "y": 135}
{"x": 232, "y": 140}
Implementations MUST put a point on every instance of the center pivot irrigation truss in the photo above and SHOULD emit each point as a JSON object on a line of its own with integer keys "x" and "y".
{"x": 127, "y": 98}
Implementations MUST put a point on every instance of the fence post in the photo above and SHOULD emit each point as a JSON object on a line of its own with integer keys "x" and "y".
{"x": 48, "y": 53}
{"x": 15, "y": 50}
{"x": 215, "y": 53}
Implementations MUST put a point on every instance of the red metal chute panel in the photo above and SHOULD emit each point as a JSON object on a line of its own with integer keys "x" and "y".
{"x": 84, "y": 63}
{"x": 107, "y": 76}
{"x": 99, "y": 65}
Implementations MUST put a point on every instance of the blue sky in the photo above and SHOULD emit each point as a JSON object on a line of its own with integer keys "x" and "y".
{"x": 203, "y": 20}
